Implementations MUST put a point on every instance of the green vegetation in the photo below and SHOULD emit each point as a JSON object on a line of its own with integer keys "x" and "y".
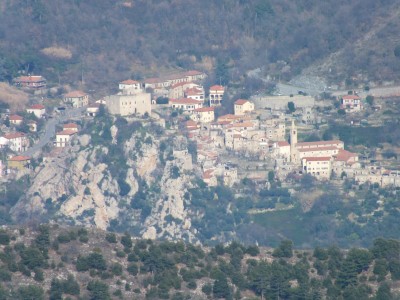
{"x": 173, "y": 270}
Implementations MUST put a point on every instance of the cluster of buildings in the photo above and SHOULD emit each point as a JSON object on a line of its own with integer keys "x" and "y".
{"x": 247, "y": 132}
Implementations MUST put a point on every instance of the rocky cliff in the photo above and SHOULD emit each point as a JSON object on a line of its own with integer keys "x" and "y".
{"x": 127, "y": 176}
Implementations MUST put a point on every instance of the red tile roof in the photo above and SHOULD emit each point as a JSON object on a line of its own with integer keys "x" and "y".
{"x": 129, "y": 81}
{"x": 180, "y": 84}
{"x": 217, "y": 88}
{"x": 36, "y": 78}
{"x": 208, "y": 174}
{"x": 345, "y": 155}
{"x": 350, "y": 97}
{"x": 75, "y": 94}
{"x": 70, "y": 125}
{"x": 16, "y": 118}
{"x": 14, "y": 135}
{"x": 204, "y": 109}
{"x": 283, "y": 144}
{"x": 66, "y": 132}
{"x": 241, "y": 101}
{"x": 193, "y": 91}
{"x": 319, "y": 143}
{"x": 37, "y": 106}
{"x": 19, "y": 158}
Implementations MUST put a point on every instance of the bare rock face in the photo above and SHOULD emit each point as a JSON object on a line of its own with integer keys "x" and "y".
{"x": 169, "y": 213}
{"x": 94, "y": 185}
{"x": 74, "y": 184}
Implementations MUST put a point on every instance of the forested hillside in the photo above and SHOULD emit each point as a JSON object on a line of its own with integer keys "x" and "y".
{"x": 53, "y": 262}
{"x": 104, "y": 41}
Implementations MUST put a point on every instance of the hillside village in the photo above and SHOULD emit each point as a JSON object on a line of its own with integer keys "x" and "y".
{"x": 256, "y": 131}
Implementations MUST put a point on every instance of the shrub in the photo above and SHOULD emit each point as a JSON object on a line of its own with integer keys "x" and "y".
{"x": 111, "y": 238}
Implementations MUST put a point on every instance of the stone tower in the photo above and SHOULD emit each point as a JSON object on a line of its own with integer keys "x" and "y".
{"x": 293, "y": 142}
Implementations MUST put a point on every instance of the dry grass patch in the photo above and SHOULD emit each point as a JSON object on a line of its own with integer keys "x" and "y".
{"x": 16, "y": 98}
{"x": 57, "y": 52}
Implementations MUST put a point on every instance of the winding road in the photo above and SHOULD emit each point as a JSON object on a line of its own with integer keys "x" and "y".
{"x": 50, "y": 129}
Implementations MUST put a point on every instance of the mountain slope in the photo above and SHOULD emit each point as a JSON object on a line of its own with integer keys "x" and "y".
{"x": 105, "y": 41}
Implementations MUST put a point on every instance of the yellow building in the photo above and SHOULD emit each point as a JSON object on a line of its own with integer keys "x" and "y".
{"x": 19, "y": 162}
{"x": 203, "y": 115}
{"x": 319, "y": 167}
{"x": 243, "y": 107}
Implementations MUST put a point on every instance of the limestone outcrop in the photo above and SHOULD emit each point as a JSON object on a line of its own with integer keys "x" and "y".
{"x": 95, "y": 184}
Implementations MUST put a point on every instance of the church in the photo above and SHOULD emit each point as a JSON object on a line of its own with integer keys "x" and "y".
{"x": 315, "y": 158}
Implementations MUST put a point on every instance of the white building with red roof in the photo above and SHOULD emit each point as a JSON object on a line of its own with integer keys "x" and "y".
{"x": 63, "y": 137}
{"x": 196, "y": 93}
{"x": 203, "y": 115}
{"x": 130, "y": 85}
{"x": 177, "y": 90}
{"x": 282, "y": 150}
{"x": 17, "y": 141}
{"x": 216, "y": 95}
{"x": 71, "y": 126}
{"x": 351, "y": 103}
{"x": 186, "y": 104}
{"x": 76, "y": 99}
{"x": 243, "y": 107}
{"x": 172, "y": 79}
{"x": 31, "y": 81}
{"x": 37, "y": 109}
{"x": 16, "y": 119}
{"x": 93, "y": 109}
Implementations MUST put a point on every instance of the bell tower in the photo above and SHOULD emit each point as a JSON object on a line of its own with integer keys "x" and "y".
{"x": 293, "y": 143}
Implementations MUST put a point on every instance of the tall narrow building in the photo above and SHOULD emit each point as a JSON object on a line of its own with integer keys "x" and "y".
{"x": 293, "y": 141}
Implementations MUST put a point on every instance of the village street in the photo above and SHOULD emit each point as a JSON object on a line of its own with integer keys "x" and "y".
{"x": 50, "y": 129}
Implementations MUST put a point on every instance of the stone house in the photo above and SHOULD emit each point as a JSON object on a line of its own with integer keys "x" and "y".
{"x": 76, "y": 99}
{"x": 129, "y": 102}
{"x": 203, "y": 115}
{"x": 282, "y": 150}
